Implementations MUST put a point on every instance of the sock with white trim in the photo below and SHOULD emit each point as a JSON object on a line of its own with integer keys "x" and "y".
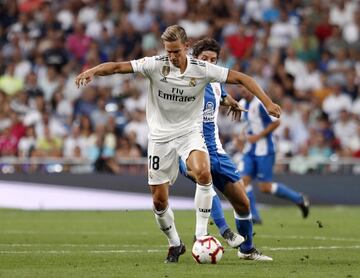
{"x": 217, "y": 214}
{"x": 244, "y": 227}
{"x": 254, "y": 211}
{"x": 203, "y": 202}
{"x": 283, "y": 191}
{"x": 165, "y": 220}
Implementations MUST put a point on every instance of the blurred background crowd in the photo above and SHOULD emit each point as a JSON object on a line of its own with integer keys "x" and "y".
{"x": 305, "y": 54}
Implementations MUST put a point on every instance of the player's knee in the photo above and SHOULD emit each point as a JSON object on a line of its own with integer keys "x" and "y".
{"x": 244, "y": 207}
{"x": 160, "y": 201}
{"x": 160, "y": 204}
{"x": 203, "y": 176}
{"x": 265, "y": 187}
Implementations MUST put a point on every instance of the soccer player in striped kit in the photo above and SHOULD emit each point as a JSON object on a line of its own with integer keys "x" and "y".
{"x": 259, "y": 157}
{"x": 226, "y": 177}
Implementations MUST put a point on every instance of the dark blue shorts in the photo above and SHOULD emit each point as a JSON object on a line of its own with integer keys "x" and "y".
{"x": 223, "y": 170}
{"x": 259, "y": 167}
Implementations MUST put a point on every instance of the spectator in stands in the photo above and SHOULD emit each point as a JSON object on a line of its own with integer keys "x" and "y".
{"x": 27, "y": 143}
{"x": 335, "y": 42}
{"x": 345, "y": 129}
{"x": 339, "y": 67}
{"x": 75, "y": 144}
{"x": 48, "y": 145}
{"x": 99, "y": 116}
{"x": 323, "y": 28}
{"x": 126, "y": 150}
{"x": 78, "y": 43}
{"x": 282, "y": 32}
{"x": 336, "y": 102}
{"x": 141, "y": 18}
{"x": 9, "y": 83}
{"x": 139, "y": 127}
{"x": 241, "y": 43}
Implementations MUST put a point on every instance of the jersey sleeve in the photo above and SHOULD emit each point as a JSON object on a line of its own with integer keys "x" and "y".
{"x": 223, "y": 92}
{"x": 215, "y": 73}
{"x": 145, "y": 65}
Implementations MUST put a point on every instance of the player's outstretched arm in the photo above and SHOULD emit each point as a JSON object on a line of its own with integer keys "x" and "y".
{"x": 101, "y": 70}
{"x": 235, "y": 77}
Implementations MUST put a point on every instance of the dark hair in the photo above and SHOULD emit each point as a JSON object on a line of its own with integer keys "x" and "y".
{"x": 206, "y": 44}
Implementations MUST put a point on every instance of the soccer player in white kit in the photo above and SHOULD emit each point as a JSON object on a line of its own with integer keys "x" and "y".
{"x": 174, "y": 115}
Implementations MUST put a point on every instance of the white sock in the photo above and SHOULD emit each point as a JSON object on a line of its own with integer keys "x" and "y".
{"x": 274, "y": 187}
{"x": 165, "y": 220}
{"x": 249, "y": 188}
{"x": 203, "y": 203}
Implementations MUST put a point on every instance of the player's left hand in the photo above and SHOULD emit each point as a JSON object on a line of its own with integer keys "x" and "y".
{"x": 274, "y": 110}
{"x": 235, "y": 110}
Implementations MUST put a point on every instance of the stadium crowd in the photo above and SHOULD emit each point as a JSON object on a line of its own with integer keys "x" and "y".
{"x": 305, "y": 54}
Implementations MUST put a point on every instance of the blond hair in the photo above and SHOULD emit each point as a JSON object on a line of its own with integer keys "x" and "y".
{"x": 174, "y": 33}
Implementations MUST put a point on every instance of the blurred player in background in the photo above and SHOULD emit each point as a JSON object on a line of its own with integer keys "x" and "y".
{"x": 259, "y": 156}
{"x": 174, "y": 116}
{"x": 225, "y": 175}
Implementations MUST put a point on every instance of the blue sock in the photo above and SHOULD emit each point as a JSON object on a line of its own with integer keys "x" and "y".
{"x": 282, "y": 191}
{"x": 254, "y": 211}
{"x": 244, "y": 227}
{"x": 217, "y": 214}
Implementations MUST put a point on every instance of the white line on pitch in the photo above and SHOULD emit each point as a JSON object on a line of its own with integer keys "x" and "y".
{"x": 309, "y": 237}
{"x": 73, "y": 245}
{"x": 122, "y": 251}
{"x": 309, "y": 248}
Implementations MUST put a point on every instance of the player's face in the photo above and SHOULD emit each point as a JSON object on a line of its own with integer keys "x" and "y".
{"x": 176, "y": 52}
{"x": 208, "y": 56}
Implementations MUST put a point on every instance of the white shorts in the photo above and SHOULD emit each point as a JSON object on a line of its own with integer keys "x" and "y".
{"x": 163, "y": 157}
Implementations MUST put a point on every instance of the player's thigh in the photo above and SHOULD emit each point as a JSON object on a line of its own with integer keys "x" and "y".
{"x": 264, "y": 165}
{"x": 249, "y": 166}
{"x": 223, "y": 170}
{"x": 247, "y": 180}
{"x": 163, "y": 163}
{"x": 192, "y": 150}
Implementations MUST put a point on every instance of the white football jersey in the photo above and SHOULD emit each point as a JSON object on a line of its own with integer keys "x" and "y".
{"x": 175, "y": 100}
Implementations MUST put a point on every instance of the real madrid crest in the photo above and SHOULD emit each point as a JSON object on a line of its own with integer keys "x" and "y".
{"x": 165, "y": 69}
{"x": 192, "y": 82}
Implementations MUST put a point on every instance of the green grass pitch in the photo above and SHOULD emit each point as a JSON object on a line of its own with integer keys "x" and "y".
{"x": 129, "y": 244}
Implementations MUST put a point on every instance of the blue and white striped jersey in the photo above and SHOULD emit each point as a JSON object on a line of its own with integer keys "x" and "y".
{"x": 214, "y": 92}
{"x": 257, "y": 119}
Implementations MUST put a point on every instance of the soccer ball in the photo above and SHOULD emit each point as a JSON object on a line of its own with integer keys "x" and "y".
{"x": 207, "y": 249}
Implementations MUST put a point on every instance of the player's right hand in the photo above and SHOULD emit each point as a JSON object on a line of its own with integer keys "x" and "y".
{"x": 84, "y": 78}
{"x": 274, "y": 110}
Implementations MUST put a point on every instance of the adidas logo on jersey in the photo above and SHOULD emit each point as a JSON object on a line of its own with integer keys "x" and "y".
{"x": 163, "y": 79}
